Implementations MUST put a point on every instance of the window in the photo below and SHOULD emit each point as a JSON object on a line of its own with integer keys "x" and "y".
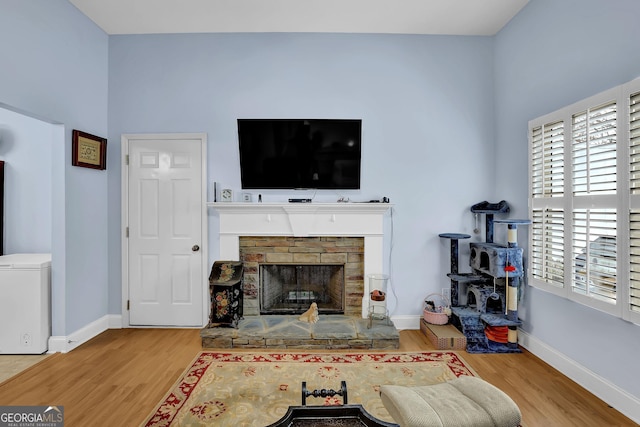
{"x": 584, "y": 200}
{"x": 634, "y": 211}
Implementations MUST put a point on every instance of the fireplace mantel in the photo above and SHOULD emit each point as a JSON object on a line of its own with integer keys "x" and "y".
{"x": 306, "y": 220}
{"x": 301, "y": 219}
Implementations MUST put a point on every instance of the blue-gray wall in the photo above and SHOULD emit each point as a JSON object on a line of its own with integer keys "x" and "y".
{"x": 552, "y": 54}
{"x": 53, "y": 64}
{"x": 27, "y": 147}
{"x": 426, "y": 105}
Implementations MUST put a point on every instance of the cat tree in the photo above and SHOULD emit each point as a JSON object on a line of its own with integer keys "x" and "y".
{"x": 484, "y": 302}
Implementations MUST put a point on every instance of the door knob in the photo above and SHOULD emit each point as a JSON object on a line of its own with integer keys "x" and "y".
{"x": 195, "y": 248}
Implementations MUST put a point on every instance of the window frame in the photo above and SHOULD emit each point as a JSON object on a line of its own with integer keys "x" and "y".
{"x": 623, "y": 201}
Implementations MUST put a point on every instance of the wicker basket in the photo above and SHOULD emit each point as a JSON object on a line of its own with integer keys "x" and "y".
{"x": 436, "y": 311}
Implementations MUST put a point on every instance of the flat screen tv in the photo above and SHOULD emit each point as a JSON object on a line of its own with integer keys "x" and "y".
{"x": 299, "y": 153}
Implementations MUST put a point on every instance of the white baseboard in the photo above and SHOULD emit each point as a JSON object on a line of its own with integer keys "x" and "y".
{"x": 115, "y": 321}
{"x": 613, "y": 395}
{"x": 64, "y": 344}
{"x": 406, "y": 322}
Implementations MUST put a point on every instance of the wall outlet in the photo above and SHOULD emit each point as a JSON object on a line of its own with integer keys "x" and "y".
{"x": 26, "y": 340}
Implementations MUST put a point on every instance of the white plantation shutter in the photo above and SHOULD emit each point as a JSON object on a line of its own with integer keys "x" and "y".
{"x": 584, "y": 201}
{"x": 547, "y": 250}
{"x": 547, "y": 145}
{"x": 574, "y": 204}
{"x": 594, "y": 174}
{"x": 594, "y": 151}
{"x": 634, "y": 261}
{"x": 594, "y": 254}
{"x": 634, "y": 143}
{"x": 634, "y": 214}
{"x": 547, "y": 183}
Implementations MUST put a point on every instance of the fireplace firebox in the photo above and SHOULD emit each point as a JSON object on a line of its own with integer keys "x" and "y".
{"x": 291, "y": 288}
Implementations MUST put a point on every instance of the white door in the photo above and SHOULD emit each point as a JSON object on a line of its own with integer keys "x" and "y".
{"x": 165, "y": 210}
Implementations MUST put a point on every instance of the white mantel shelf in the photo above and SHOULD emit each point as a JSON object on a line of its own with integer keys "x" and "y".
{"x": 301, "y": 219}
{"x": 238, "y": 207}
{"x": 306, "y": 220}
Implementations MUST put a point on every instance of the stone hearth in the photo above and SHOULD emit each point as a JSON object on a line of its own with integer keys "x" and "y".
{"x": 287, "y": 332}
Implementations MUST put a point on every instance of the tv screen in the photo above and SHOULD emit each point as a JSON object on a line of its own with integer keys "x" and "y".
{"x": 299, "y": 154}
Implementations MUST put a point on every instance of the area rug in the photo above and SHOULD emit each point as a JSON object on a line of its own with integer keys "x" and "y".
{"x": 255, "y": 390}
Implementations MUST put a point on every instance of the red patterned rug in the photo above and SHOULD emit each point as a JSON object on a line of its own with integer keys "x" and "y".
{"x": 247, "y": 390}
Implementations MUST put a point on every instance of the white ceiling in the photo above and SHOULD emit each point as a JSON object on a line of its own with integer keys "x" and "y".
{"x": 459, "y": 17}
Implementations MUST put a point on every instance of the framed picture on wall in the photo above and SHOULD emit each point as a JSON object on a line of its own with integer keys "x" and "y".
{"x": 88, "y": 151}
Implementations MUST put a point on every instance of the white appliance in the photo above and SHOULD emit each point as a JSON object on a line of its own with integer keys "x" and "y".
{"x": 25, "y": 303}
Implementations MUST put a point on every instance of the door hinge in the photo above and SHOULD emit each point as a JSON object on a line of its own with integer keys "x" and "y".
{"x": 126, "y": 159}
{"x": 128, "y": 304}
{"x": 126, "y": 232}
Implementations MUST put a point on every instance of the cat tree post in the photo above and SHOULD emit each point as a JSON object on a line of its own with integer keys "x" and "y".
{"x": 511, "y": 285}
{"x": 454, "y": 237}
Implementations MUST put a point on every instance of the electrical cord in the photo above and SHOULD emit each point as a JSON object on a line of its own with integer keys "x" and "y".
{"x": 393, "y": 290}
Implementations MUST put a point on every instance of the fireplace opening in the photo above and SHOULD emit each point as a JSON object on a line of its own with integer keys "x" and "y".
{"x": 291, "y": 288}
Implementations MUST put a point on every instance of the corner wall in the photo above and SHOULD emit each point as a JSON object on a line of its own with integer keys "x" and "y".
{"x": 54, "y": 66}
{"x": 550, "y": 55}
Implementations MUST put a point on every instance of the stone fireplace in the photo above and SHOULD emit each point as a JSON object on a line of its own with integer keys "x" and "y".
{"x": 291, "y": 288}
{"x": 284, "y": 275}
{"x": 348, "y": 234}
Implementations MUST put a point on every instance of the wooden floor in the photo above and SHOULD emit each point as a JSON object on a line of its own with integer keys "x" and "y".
{"x": 117, "y": 378}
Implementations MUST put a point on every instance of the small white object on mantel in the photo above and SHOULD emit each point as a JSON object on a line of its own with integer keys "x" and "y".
{"x": 227, "y": 195}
